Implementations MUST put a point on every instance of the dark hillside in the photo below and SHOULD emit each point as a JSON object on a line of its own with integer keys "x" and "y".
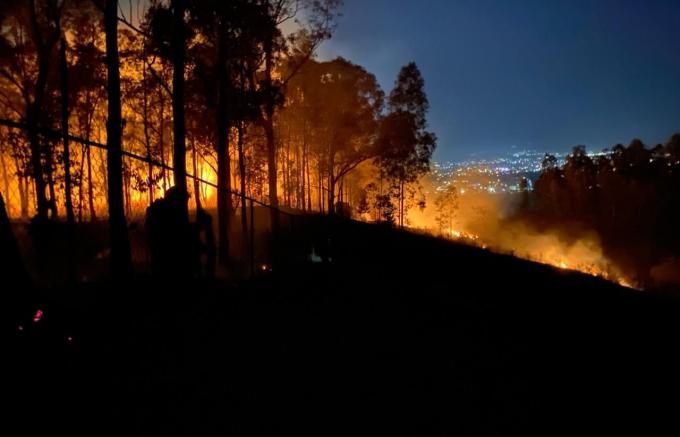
{"x": 397, "y": 334}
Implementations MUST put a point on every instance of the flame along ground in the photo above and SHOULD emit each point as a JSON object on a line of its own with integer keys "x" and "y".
{"x": 490, "y": 221}
{"x": 556, "y": 257}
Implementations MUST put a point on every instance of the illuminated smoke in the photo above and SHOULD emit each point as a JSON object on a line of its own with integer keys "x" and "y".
{"x": 485, "y": 220}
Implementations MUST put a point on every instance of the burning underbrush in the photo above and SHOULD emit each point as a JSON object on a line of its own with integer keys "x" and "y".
{"x": 487, "y": 221}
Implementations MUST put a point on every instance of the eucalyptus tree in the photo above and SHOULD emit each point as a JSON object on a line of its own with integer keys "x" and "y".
{"x": 120, "y": 245}
{"x": 405, "y": 145}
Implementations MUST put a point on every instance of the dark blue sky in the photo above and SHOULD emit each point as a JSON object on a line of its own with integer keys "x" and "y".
{"x": 544, "y": 74}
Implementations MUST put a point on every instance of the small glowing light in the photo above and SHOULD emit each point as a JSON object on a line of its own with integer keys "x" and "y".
{"x": 38, "y": 315}
{"x": 20, "y": 328}
{"x": 562, "y": 265}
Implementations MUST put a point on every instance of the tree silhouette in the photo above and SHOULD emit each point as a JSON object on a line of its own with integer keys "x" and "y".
{"x": 120, "y": 246}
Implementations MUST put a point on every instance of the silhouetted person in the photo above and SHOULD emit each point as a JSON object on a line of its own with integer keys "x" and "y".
{"x": 169, "y": 237}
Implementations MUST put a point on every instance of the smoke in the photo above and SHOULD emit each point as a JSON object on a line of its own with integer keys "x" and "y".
{"x": 490, "y": 221}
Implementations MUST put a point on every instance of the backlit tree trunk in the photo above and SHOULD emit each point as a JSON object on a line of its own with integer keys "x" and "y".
{"x": 179, "y": 128}
{"x": 147, "y": 138}
{"x": 65, "y": 139}
{"x": 120, "y": 246}
{"x": 242, "y": 174}
{"x": 269, "y": 134}
{"x": 224, "y": 205}
{"x": 32, "y": 118}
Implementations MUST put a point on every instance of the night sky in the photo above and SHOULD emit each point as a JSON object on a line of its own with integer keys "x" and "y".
{"x": 510, "y": 74}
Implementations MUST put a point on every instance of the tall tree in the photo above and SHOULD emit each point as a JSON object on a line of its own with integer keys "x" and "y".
{"x": 66, "y": 158}
{"x": 119, "y": 243}
{"x": 405, "y": 145}
{"x": 178, "y": 47}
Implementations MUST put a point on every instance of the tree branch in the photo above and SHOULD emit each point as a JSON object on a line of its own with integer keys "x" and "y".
{"x": 156, "y": 76}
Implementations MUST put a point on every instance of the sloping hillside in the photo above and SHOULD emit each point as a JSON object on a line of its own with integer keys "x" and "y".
{"x": 395, "y": 334}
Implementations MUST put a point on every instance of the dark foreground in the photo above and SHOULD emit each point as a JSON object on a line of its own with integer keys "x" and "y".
{"x": 400, "y": 335}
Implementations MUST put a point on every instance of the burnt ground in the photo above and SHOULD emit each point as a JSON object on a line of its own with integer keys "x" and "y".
{"x": 399, "y": 335}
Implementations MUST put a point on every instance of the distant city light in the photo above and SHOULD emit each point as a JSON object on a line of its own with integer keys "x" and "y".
{"x": 498, "y": 175}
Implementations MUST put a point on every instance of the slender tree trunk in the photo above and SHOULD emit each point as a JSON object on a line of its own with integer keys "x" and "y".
{"x": 49, "y": 164}
{"x": 285, "y": 158}
{"x": 64, "y": 131}
{"x": 23, "y": 196}
{"x": 66, "y": 155}
{"x": 284, "y": 174}
{"x": 90, "y": 186}
{"x": 223, "y": 196}
{"x": 331, "y": 194}
{"x": 349, "y": 193}
{"x": 120, "y": 245}
{"x": 5, "y": 180}
{"x": 331, "y": 182}
{"x": 32, "y": 118}
{"x": 127, "y": 206}
{"x": 380, "y": 190}
{"x": 309, "y": 185}
{"x": 103, "y": 168}
{"x": 269, "y": 134}
{"x": 242, "y": 173}
{"x": 303, "y": 165}
{"x": 23, "y": 189}
{"x": 147, "y": 138}
{"x": 161, "y": 136}
{"x": 179, "y": 129}
{"x": 87, "y": 151}
{"x": 224, "y": 205}
{"x": 36, "y": 163}
{"x": 401, "y": 203}
{"x": 70, "y": 219}
{"x": 197, "y": 188}
{"x": 289, "y": 172}
{"x": 321, "y": 198}
{"x": 81, "y": 187}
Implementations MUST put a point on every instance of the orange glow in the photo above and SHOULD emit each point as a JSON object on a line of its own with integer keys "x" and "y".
{"x": 556, "y": 256}
{"x": 479, "y": 222}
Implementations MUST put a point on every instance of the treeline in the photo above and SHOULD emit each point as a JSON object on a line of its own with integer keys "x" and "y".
{"x": 629, "y": 195}
{"x": 211, "y": 88}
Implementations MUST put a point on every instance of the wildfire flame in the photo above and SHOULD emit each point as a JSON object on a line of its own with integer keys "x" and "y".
{"x": 553, "y": 257}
